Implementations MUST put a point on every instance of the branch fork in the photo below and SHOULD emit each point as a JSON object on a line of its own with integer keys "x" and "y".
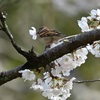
{"x": 4, "y": 27}
{"x": 34, "y": 61}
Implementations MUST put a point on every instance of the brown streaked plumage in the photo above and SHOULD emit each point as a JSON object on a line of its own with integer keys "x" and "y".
{"x": 49, "y": 35}
{"x": 46, "y": 32}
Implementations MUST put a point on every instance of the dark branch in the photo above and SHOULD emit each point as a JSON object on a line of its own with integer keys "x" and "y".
{"x": 68, "y": 47}
{"x": 4, "y": 27}
{"x": 52, "y": 54}
{"x": 11, "y": 74}
{"x": 42, "y": 60}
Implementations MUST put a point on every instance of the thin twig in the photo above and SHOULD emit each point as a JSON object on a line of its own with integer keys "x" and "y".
{"x": 86, "y": 81}
{"x": 5, "y": 28}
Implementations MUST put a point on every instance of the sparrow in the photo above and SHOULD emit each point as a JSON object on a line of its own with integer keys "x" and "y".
{"x": 50, "y": 35}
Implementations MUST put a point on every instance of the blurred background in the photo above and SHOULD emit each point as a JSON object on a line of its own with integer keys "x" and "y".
{"x": 61, "y": 15}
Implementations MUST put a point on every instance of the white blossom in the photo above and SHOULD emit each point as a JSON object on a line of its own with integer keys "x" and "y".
{"x": 83, "y": 24}
{"x": 36, "y": 86}
{"x": 27, "y": 74}
{"x": 95, "y": 14}
{"x": 32, "y": 32}
{"x": 56, "y": 71}
{"x": 61, "y": 93}
{"x": 90, "y": 22}
{"x": 94, "y": 48}
{"x": 69, "y": 62}
{"x": 53, "y": 88}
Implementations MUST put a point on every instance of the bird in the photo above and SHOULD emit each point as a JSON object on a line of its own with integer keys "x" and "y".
{"x": 50, "y": 35}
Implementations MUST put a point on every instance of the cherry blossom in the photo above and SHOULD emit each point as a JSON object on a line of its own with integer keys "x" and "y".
{"x": 89, "y": 23}
{"x": 83, "y": 24}
{"x": 27, "y": 74}
{"x": 32, "y": 32}
{"x": 94, "y": 48}
{"x": 55, "y": 84}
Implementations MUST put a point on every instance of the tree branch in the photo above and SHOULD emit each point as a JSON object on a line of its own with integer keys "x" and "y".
{"x": 68, "y": 47}
{"x": 52, "y": 54}
{"x": 4, "y": 27}
{"x": 46, "y": 57}
{"x": 11, "y": 74}
{"x": 86, "y": 81}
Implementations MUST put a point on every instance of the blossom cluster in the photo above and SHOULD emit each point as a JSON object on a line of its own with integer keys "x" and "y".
{"x": 55, "y": 88}
{"x": 68, "y": 62}
{"x": 55, "y": 84}
{"x": 94, "y": 48}
{"x": 90, "y": 23}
